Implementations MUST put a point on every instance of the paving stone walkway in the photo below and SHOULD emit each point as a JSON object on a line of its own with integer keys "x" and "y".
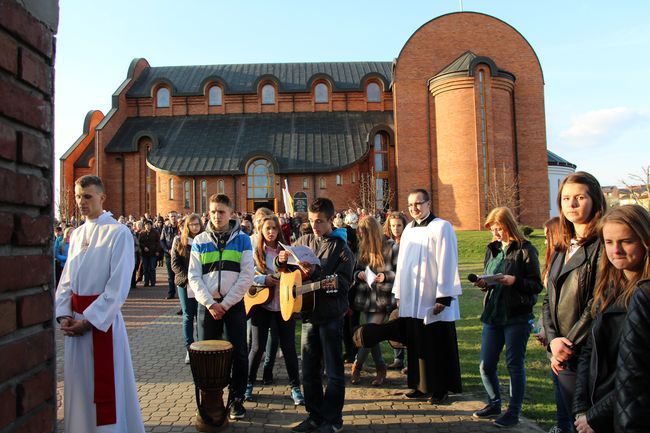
{"x": 166, "y": 389}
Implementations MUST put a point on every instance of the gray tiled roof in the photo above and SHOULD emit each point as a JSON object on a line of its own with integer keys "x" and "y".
{"x": 554, "y": 159}
{"x": 292, "y": 77}
{"x": 217, "y": 144}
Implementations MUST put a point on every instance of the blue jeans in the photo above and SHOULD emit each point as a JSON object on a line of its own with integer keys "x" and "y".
{"x": 323, "y": 342}
{"x": 188, "y": 305}
{"x": 515, "y": 338}
{"x": 235, "y": 323}
{"x": 149, "y": 270}
{"x": 563, "y": 411}
{"x": 171, "y": 286}
{"x": 362, "y": 353}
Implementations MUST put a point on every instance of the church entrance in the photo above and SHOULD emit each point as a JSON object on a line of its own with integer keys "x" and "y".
{"x": 260, "y": 186}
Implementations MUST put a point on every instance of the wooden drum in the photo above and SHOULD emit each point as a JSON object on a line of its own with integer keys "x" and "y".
{"x": 211, "y": 361}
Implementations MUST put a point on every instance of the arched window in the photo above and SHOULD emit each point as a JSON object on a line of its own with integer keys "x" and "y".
{"x": 204, "y": 196}
{"x": 323, "y": 183}
{"x": 220, "y": 186}
{"x": 305, "y": 182}
{"x": 373, "y": 92}
{"x": 260, "y": 179}
{"x": 268, "y": 94}
{"x": 162, "y": 97}
{"x": 186, "y": 195}
{"x": 339, "y": 179}
{"x": 380, "y": 151}
{"x": 321, "y": 93}
{"x": 171, "y": 189}
{"x": 215, "y": 96}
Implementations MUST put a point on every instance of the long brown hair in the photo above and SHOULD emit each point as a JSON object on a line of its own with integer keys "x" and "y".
{"x": 552, "y": 227}
{"x": 66, "y": 238}
{"x": 371, "y": 242}
{"x": 394, "y": 216}
{"x": 260, "y": 254}
{"x": 181, "y": 246}
{"x": 506, "y": 219}
{"x": 612, "y": 285}
{"x": 599, "y": 206}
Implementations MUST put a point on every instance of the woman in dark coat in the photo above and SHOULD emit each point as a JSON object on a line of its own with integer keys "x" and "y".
{"x": 625, "y": 235}
{"x": 507, "y": 312}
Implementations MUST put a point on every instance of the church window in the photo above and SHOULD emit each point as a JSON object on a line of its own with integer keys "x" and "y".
{"x": 260, "y": 179}
{"x": 204, "y": 196}
{"x": 186, "y": 195}
{"x": 162, "y": 97}
{"x": 268, "y": 94}
{"x": 215, "y": 96}
{"x": 321, "y": 93}
{"x": 171, "y": 189}
{"x": 373, "y": 92}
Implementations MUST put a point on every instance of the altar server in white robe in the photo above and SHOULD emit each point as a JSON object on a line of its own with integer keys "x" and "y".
{"x": 99, "y": 384}
{"x": 427, "y": 287}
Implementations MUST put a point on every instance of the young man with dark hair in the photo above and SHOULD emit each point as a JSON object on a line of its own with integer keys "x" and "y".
{"x": 167, "y": 235}
{"x": 220, "y": 272}
{"x": 322, "y": 329}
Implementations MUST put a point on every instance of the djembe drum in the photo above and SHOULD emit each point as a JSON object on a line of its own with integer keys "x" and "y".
{"x": 211, "y": 361}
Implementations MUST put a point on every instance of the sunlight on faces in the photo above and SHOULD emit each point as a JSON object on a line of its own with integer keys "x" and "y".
{"x": 270, "y": 231}
{"x": 194, "y": 226}
{"x": 498, "y": 232}
{"x": 90, "y": 200}
{"x": 624, "y": 249}
{"x": 220, "y": 215}
{"x": 396, "y": 227}
{"x": 576, "y": 203}
{"x": 418, "y": 207}
{"x": 320, "y": 224}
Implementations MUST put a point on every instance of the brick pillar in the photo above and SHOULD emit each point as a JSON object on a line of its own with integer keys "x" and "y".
{"x": 27, "y": 356}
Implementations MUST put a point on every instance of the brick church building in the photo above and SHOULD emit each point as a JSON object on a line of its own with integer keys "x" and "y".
{"x": 461, "y": 106}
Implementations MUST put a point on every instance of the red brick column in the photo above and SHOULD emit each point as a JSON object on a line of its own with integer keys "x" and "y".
{"x": 27, "y": 356}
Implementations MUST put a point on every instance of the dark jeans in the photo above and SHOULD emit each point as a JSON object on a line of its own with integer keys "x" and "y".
{"x": 171, "y": 286}
{"x": 515, "y": 338}
{"x": 271, "y": 350}
{"x": 235, "y": 323}
{"x": 323, "y": 342}
{"x": 563, "y": 412}
{"x": 189, "y": 307}
{"x": 149, "y": 270}
{"x": 261, "y": 320}
{"x": 350, "y": 323}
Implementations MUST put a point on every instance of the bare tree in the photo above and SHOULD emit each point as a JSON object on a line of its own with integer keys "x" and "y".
{"x": 369, "y": 190}
{"x": 639, "y": 186}
{"x": 504, "y": 191}
{"x": 64, "y": 205}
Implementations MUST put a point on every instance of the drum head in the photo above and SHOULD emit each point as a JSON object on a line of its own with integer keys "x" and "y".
{"x": 394, "y": 315}
{"x": 211, "y": 346}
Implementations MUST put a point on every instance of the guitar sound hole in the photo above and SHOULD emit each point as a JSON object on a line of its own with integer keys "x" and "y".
{"x": 293, "y": 291}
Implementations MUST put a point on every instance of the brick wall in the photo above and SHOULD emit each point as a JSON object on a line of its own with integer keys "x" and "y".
{"x": 27, "y": 357}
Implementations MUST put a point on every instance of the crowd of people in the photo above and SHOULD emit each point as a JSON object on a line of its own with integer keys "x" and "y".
{"x": 595, "y": 305}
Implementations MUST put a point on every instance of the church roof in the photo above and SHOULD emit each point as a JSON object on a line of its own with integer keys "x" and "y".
{"x": 243, "y": 78}
{"x": 556, "y": 160}
{"x": 465, "y": 64}
{"x": 219, "y": 145}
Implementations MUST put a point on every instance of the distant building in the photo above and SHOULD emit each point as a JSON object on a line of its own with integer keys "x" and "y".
{"x": 634, "y": 194}
{"x": 558, "y": 169}
{"x": 463, "y": 100}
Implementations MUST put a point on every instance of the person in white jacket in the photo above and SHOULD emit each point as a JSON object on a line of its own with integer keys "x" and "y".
{"x": 427, "y": 287}
{"x": 100, "y": 391}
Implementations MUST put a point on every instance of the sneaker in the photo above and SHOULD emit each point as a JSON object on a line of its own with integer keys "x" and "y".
{"x": 248, "y": 394}
{"x": 187, "y": 357}
{"x": 490, "y": 410}
{"x": 329, "y": 428}
{"x": 558, "y": 429}
{"x": 508, "y": 419}
{"x": 237, "y": 410}
{"x": 296, "y": 395}
{"x": 307, "y": 426}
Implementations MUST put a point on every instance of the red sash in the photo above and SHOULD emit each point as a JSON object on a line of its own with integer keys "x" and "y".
{"x": 104, "y": 396}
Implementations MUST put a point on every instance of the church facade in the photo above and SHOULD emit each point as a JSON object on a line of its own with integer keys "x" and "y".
{"x": 459, "y": 112}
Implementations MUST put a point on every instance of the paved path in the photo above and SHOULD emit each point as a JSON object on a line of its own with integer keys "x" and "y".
{"x": 166, "y": 389}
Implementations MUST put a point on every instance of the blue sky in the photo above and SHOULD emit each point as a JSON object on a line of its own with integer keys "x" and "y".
{"x": 593, "y": 54}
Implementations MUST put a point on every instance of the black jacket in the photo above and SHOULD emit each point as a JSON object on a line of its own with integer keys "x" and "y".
{"x": 379, "y": 297}
{"x": 335, "y": 258}
{"x": 180, "y": 263}
{"x": 522, "y": 262}
{"x": 595, "y": 392}
{"x": 167, "y": 235}
{"x": 567, "y": 304}
{"x": 632, "y": 402}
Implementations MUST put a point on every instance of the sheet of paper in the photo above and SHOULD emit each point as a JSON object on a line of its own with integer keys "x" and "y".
{"x": 300, "y": 253}
{"x": 370, "y": 276}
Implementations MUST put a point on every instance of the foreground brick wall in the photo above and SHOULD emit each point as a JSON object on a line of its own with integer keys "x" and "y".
{"x": 27, "y": 357}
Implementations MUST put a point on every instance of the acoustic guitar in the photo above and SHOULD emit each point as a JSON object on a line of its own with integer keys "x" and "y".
{"x": 296, "y": 297}
{"x": 256, "y": 295}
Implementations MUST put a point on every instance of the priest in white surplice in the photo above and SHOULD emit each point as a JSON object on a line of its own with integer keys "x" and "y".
{"x": 427, "y": 287}
{"x": 100, "y": 391}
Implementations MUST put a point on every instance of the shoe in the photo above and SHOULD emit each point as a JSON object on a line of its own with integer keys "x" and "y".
{"x": 296, "y": 395}
{"x": 169, "y": 297}
{"x": 237, "y": 410}
{"x": 307, "y": 426}
{"x": 187, "y": 357}
{"x": 491, "y": 410}
{"x": 356, "y": 374}
{"x": 398, "y": 364}
{"x": 558, "y": 429}
{"x": 380, "y": 378}
{"x": 439, "y": 400}
{"x": 508, "y": 419}
{"x": 405, "y": 370}
{"x": 267, "y": 378}
{"x": 179, "y": 313}
{"x": 329, "y": 428}
{"x": 248, "y": 394}
{"x": 416, "y": 394}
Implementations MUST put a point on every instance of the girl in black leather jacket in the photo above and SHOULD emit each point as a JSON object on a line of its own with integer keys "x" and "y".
{"x": 625, "y": 235}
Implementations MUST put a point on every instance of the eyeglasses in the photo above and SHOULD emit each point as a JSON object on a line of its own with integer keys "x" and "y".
{"x": 417, "y": 203}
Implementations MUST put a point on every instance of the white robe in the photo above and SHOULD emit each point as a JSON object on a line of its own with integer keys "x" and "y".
{"x": 103, "y": 268}
{"x": 427, "y": 269}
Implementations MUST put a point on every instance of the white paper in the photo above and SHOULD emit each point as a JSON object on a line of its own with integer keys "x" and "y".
{"x": 300, "y": 254}
{"x": 370, "y": 276}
